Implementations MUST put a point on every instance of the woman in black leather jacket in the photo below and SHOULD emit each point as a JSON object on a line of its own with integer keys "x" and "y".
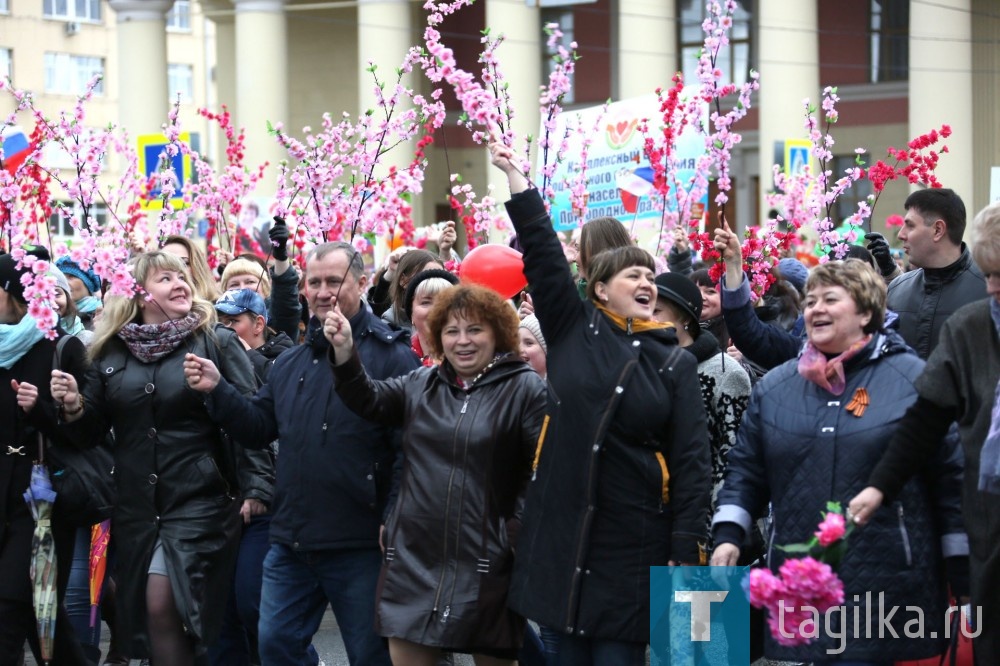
{"x": 470, "y": 428}
{"x": 177, "y": 522}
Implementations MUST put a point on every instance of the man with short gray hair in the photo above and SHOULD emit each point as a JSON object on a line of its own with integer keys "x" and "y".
{"x": 333, "y": 480}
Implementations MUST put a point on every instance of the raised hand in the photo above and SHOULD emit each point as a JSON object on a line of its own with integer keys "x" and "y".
{"x": 278, "y": 233}
{"x": 879, "y": 247}
{"x": 504, "y": 158}
{"x": 392, "y": 262}
{"x": 65, "y": 391}
{"x": 446, "y": 240}
{"x": 337, "y": 330}
{"x": 200, "y": 373}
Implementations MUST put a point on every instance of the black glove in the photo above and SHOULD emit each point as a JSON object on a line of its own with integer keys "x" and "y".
{"x": 879, "y": 247}
{"x": 278, "y": 233}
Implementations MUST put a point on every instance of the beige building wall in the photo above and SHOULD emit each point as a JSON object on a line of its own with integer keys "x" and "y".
{"x": 29, "y": 35}
{"x": 327, "y": 44}
{"x": 985, "y": 93}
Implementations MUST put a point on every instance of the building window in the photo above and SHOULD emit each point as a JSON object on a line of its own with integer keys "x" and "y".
{"x": 890, "y": 40}
{"x": 73, "y": 10}
{"x": 62, "y": 226}
{"x": 735, "y": 60}
{"x": 179, "y": 16}
{"x": 847, "y": 203}
{"x": 6, "y": 64}
{"x": 4, "y": 6}
{"x": 67, "y": 74}
{"x": 563, "y": 17}
{"x": 180, "y": 81}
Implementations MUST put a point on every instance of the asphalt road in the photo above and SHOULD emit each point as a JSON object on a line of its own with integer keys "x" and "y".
{"x": 328, "y": 644}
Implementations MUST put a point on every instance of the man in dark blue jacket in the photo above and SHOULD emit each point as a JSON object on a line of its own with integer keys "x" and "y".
{"x": 335, "y": 471}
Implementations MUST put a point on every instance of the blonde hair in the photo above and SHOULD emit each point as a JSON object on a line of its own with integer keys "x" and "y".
{"x": 121, "y": 310}
{"x": 241, "y": 266}
{"x": 202, "y": 283}
{"x": 986, "y": 239}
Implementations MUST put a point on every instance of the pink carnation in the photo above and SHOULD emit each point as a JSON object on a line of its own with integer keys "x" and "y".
{"x": 765, "y": 588}
{"x": 832, "y": 528}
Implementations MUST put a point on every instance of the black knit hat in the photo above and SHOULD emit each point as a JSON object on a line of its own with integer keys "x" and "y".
{"x": 10, "y": 275}
{"x": 685, "y": 294}
{"x": 411, "y": 288}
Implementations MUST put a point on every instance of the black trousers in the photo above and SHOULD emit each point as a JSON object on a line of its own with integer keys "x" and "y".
{"x": 17, "y": 624}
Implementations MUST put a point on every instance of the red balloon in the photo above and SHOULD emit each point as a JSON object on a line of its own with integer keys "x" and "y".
{"x": 498, "y": 267}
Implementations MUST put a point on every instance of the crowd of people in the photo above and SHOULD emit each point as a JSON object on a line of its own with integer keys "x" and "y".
{"x": 437, "y": 464}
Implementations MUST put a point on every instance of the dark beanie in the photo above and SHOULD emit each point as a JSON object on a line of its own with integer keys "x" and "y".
{"x": 411, "y": 288}
{"x": 10, "y": 275}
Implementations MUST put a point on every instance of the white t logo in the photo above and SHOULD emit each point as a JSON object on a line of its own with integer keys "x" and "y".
{"x": 701, "y": 610}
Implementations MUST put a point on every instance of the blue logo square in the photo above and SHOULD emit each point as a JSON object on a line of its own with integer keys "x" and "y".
{"x": 699, "y": 615}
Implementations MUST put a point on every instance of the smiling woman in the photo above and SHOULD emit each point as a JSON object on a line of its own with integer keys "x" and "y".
{"x": 623, "y": 480}
{"x": 470, "y": 427}
{"x": 177, "y": 521}
{"x": 813, "y": 427}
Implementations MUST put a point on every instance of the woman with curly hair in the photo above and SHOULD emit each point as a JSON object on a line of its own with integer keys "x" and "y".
{"x": 470, "y": 428}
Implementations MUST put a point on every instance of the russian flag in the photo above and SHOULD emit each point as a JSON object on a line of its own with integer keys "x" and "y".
{"x": 633, "y": 185}
{"x": 16, "y": 148}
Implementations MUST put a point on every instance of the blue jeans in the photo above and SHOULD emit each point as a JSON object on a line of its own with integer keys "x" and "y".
{"x": 576, "y": 651}
{"x": 237, "y": 643}
{"x": 298, "y": 585}
{"x": 78, "y": 595}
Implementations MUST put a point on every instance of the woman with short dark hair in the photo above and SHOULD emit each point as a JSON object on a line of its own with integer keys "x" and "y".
{"x": 623, "y": 481}
{"x": 470, "y": 429}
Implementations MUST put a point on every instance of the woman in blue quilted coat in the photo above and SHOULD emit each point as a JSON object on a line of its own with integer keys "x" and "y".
{"x": 813, "y": 430}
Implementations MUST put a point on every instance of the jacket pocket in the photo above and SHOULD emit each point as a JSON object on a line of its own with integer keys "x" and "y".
{"x": 214, "y": 482}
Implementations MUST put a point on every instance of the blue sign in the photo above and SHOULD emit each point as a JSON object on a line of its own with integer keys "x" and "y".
{"x": 151, "y": 148}
{"x": 699, "y": 615}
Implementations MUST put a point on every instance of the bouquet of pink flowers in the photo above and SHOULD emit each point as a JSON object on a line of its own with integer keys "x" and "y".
{"x": 804, "y": 586}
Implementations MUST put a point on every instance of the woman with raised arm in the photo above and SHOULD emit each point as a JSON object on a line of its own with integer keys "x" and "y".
{"x": 470, "y": 428}
{"x": 623, "y": 479}
{"x": 177, "y": 521}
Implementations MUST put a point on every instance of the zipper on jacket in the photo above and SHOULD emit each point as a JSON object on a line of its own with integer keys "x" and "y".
{"x": 585, "y": 526}
{"x": 461, "y": 508}
{"x": 628, "y": 326}
{"x": 905, "y": 535}
{"x": 447, "y": 511}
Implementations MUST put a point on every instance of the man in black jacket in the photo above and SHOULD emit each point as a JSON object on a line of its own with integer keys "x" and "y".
{"x": 333, "y": 480}
{"x": 946, "y": 277}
